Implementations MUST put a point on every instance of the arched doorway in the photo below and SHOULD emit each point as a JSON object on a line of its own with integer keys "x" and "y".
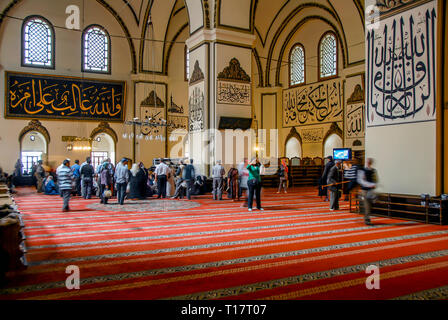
{"x": 293, "y": 148}
{"x": 103, "y": 147}
{"x": 33, "y": 140}
{"x": 104, "y": 140}
{"x": 33, "y": 148}
{"x": 332, "y": 141}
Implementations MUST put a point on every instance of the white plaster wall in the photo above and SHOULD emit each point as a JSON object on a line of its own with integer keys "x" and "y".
{"x": 235, "y": 13}
{"x": 404, "y": 157}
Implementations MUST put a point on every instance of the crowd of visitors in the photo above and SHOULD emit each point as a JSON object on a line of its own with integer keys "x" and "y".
{"x": 166, "y": 180}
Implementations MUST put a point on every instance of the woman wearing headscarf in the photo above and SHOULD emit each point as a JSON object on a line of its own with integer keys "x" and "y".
{"x": 137, "y": 182}
{"x": 105, "y": 180}
{"x": 50, "y": 187}
{"x": 170, "y": 184}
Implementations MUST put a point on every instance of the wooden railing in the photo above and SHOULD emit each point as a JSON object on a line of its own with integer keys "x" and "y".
{"x": 434, "y": 210}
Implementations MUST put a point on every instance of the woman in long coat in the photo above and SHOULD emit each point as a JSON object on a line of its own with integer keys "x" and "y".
{"x": 137, "y": 182}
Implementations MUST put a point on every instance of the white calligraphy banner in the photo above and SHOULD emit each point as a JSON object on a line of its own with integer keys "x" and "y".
{"x": 400, "y": 68}
{"x": 320, "y": 102}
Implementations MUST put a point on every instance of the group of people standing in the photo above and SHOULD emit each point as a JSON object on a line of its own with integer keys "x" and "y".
{"x": 138, "y": 182}
{"x": 335, "y": 178}
{"x": 245, "y": 177}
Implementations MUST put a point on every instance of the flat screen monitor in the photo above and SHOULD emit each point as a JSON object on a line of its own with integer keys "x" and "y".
{"x": 342, "y": 154}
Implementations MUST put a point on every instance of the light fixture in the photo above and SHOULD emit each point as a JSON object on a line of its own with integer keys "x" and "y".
{"x": 150, "y": 128}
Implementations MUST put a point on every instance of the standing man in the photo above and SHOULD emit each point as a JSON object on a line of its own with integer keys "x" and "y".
{"x": 77, "y": 176}
{"x": 188, "y": 176}
{"x": 367, "y": 179}
{"x": 65, "y": 176}
{"x": 121, "y": 179}
{"x": 254, "y": 184}
{"x": 161, "y": 174}
{"x": 333, "y": 180}
{"x": 40, "y": 175}
{"x": 87, "y": 171}
{"x": 218, "y": 173}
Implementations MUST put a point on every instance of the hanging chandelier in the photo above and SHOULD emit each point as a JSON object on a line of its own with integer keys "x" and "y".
{"x": 151, "y": 125}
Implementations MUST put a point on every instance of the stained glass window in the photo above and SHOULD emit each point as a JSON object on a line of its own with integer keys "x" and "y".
{"x": 96, "y": 50}
{"x": 328, "y": 56}
{"x": 37, "y": 42}
{"x": 297, "y": 65}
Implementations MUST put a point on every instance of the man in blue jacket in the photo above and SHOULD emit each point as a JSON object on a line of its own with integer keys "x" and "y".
{"x": 121, "y": 179}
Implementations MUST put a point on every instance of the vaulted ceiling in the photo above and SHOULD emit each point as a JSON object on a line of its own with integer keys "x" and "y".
{"x": 173, "y": 21}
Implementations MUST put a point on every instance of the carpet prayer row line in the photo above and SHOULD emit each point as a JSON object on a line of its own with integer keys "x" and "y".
{"x": 204, "y": 249}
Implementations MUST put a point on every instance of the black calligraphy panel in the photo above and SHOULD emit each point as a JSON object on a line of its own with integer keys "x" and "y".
{"x": 53, "y": 97}
{"x": 196, "y": 106}
{"x": 400, "y": 68}
{"x": 320, "y": 102}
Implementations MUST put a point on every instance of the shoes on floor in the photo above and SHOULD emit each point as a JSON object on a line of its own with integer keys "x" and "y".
{"x": 250, "y": 209}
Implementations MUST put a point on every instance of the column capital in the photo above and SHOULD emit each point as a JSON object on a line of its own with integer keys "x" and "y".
{"x": 221, "y": 35}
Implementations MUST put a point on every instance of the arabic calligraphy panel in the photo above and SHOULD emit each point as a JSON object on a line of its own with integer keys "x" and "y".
{"x": 177, "y": 123}
{"x": 196, "y": 107}
{"x": 233, "y": 93}
{"x": 400, "y": 68}
{"x": 57, "y": 97}
{"x": 320, "y": 102}
{"x": 313, "y": 135}
{"x": 150, "y": 99}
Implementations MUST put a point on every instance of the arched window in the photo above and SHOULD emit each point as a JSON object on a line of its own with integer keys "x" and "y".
{"x": 95, "y": 50}
{"x": 37, "y": 43}
{"x": 187, "y": 63}
{"x": 297, "y": 65}
{"x": 328, "y": 55}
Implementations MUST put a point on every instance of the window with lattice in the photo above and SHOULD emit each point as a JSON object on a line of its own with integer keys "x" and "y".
{"x": 328, "y": 56}
{"x": 297, "y": 65}
{"x": 37, "y": 42}
{"x": 96, "y": 50}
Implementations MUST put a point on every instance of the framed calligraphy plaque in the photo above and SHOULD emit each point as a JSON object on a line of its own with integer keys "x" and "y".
{"x": 401, "y": 67}
{"x": 313, "y": 135}
{"x": 321, "y": 102}
{"x": 233, "y": 93}
{"x": 59, "y": 97}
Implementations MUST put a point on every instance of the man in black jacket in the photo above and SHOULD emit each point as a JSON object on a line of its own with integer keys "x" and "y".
{"x": 87, "y": 172}
{"x": 327, "y": 168}
{"x": 334, "y": 177}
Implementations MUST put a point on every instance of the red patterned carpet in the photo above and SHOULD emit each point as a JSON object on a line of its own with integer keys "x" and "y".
{"x": 175, "y": 249}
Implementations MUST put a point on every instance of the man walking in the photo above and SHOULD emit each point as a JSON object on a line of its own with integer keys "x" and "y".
{"x": 367, "y": 179}
{"x": 161, "y": 174}
{"x": 77, "y": 176}
{"x": 188, "y": 176}
{"x": 87, "y": 171}
{"x": 324, "y": 177}
{"x": 218, "y": 173}
{"x": 65, "y": 176}
{"x": 121, "y": 179}
{"x": 333, "y": 180}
